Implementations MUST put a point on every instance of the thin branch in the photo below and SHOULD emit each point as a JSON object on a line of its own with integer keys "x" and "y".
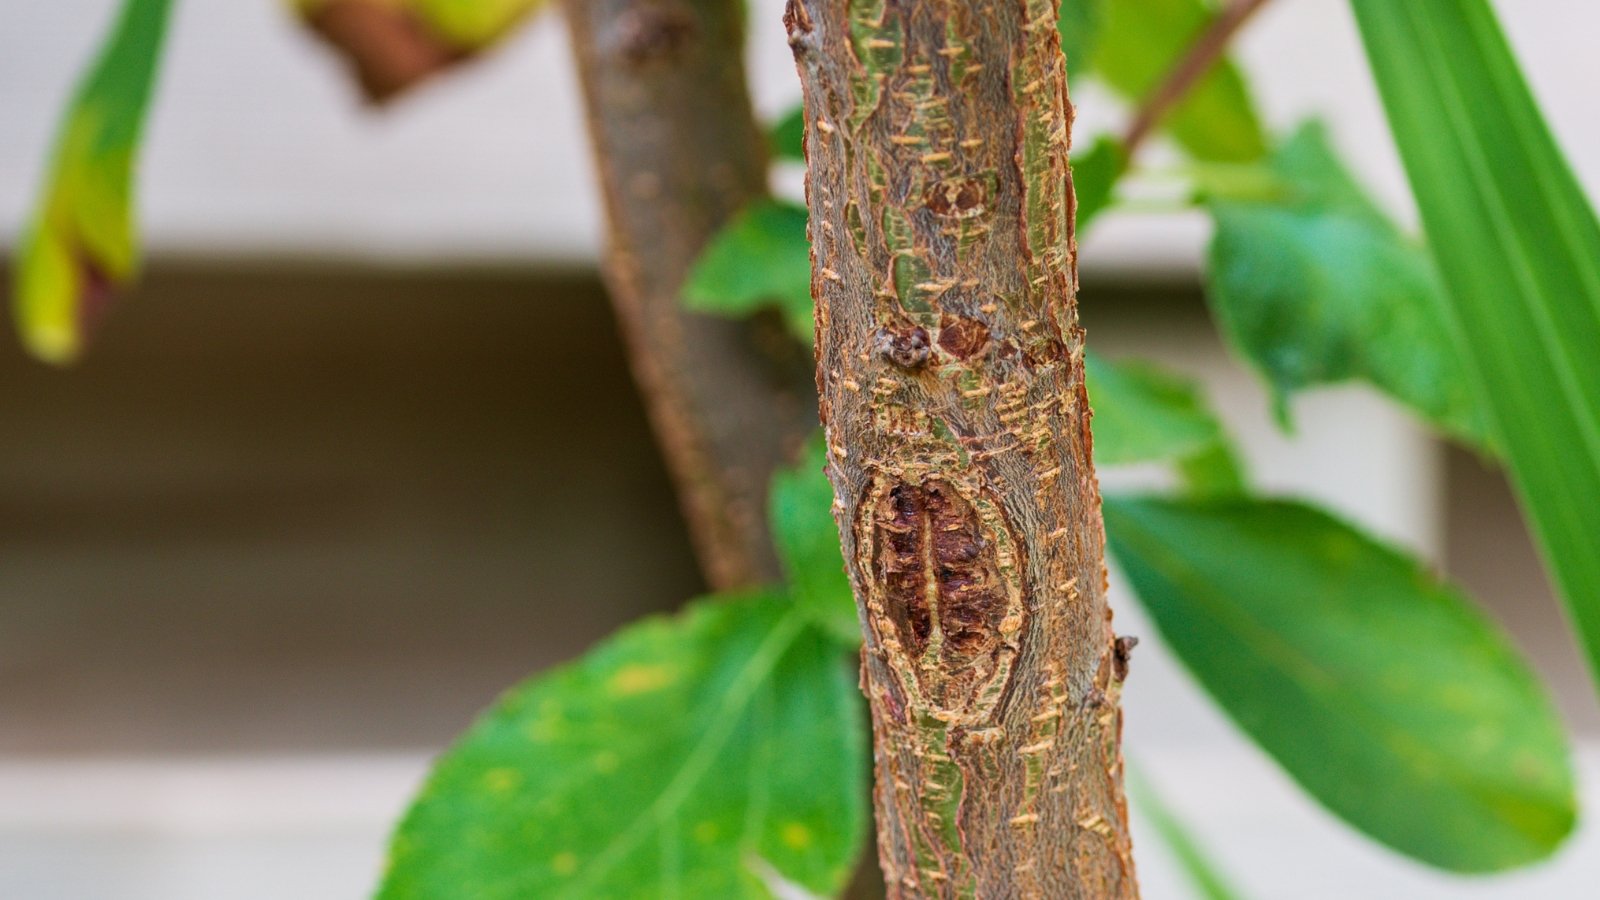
{"x": 1202, "y": 55}
{"x": 678, "y": 152}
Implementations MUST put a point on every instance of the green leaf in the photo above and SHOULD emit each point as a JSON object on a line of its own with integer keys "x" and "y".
{"x": 1094, "y": 177}
{"x": 1203, "y": 874}
{"x": 760, "y": 258}
{"x": 1518, "y": 246}
{"x": 82, "y": 244}
{"x": 1314, "y": 285}
{"x": 787, "y": 136}
{"x": 1079, "y": 25}
{"x": 1378, "y": 688}
{"x": 1139, "y": 41}
{"x": 718, "y": 753}
{"x": 808, "y": 542}
{"x": 1144, "y": 414}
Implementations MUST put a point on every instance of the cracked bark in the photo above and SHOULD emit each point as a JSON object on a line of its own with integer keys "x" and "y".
{"x": 678, "y": 152}
{"x": 950, "y": 364}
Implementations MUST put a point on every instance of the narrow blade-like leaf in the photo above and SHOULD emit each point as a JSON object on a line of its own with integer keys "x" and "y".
{"x": 715, "y": 754}
{"x": 1379, "y": 689}
{"x": 1179, "y": 839}
{"x": 1518, "y": 246}
{"x": 82, "y": 244}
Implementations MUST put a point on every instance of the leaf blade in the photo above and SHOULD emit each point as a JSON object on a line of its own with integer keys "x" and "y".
{"x": 1381, "y": 691}
{"x": 760, "y": 258}
{"x": 1095, "y": 172}
{"x": 786, "y": 138}
{"x": 1313, "y": 285}
{"x": 1078, "y": 23}
{"x": 1144, "y": 414}
{"x": 1518, "y": 246}
{"x": 687, "y": 754}
{"x": 801, "y": 510}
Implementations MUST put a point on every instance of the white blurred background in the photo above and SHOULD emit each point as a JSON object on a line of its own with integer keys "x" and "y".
{"x": 295, "y": 519}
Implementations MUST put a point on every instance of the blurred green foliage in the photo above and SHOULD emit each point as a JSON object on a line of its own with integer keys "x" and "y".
{"x": 1518, "y": 246}
{"x": 1377, "y": 688}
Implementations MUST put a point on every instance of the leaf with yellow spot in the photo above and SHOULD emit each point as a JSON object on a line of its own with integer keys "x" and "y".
{"x": 631, "y": 680}
{"x": 797, "y": 835}
{"x": 82, "y": 243}
{"x": 732, "y": 760}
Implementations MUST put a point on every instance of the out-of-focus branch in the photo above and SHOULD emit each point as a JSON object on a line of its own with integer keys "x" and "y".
{"x": 678, "y": 151}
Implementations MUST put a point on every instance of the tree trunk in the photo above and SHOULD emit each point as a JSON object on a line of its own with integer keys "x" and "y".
{"x": 678, "y": 153}
{"x": 950, "y": 363}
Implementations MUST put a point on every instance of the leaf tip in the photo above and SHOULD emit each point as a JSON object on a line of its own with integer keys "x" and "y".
{"x": 60, "y": 298}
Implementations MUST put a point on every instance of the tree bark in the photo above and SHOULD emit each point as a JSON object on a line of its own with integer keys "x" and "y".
{"x": 950, "y": 363}
{"x": 679, "y": 152}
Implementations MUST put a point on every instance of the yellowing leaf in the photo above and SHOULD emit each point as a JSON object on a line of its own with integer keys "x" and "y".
{"x": 82, "y": 243}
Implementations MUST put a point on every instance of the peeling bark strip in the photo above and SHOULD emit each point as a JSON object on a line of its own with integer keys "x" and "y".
{"x": 951, "y": 368}
{"x": 679, "y": 152}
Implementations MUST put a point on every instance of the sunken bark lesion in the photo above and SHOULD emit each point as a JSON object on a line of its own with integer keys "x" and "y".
{"x": 950, "y": 363}
{"x": 938, "y": 602}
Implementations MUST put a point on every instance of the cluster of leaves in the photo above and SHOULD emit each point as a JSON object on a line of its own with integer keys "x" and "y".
{"x": 720, "y": 752}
